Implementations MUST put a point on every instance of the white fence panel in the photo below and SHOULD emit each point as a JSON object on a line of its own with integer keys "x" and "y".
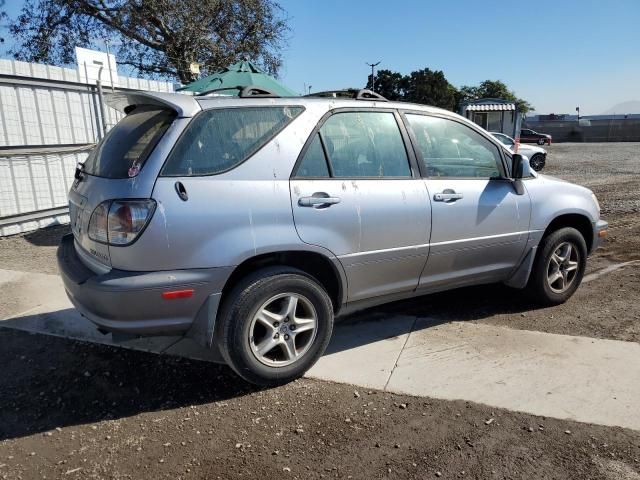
{"x": 10, "y": 114}
{"x": 49, "y": 119}
{"x": 34, "y": 182}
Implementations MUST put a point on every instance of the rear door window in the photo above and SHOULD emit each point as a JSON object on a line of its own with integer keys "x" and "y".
{"x": 220, "y": 139}
{"x": 124, "y": 150}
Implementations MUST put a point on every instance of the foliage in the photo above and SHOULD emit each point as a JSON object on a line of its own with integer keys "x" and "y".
{"x": 492, "y": 89}
{"x": 432, "y": 88}
{"x": 429, "y": 87}
{"x": 157, "y": 37}
{"x": 422, "y": 86}
{"x": 388, "y": 84}
{"x": 3, "y": 16}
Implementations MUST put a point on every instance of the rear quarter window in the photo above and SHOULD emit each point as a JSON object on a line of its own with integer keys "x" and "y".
{"x": 218, "y": 140}
{"x": 124, "y": 150}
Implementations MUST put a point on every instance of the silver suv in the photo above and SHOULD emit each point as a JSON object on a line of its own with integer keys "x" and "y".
{"x": 250, "y": 222}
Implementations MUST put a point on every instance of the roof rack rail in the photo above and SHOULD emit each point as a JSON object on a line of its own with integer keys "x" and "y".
{"x": 362, "y": 94}
{"x": 247, "y": 91}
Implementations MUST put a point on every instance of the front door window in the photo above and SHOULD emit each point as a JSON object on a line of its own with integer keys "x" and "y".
{"x": 451, "y": 149}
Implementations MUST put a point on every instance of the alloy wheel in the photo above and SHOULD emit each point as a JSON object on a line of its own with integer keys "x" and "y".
{"x": 536, "y": 163}
{"x": 562, "y": 268}
{"x": 283, "y": 329}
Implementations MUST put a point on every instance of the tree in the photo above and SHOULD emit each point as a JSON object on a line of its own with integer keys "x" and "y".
{"x": 492, "y": 89}
{"x": 159, "y": 38}
{"x": 422, "y": 86}
{"x": 3, "y": 16}
{"x": 429, "y": 87}
{"x": 388, "y": 84}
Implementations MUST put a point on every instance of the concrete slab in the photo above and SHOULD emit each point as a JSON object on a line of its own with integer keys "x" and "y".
{"x": 578, "y": 378}
{"x": 364, "y": 353}
{"x": 35, "y": 302}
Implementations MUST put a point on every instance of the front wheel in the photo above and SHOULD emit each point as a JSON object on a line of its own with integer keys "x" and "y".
{"x": 541, "y": 141}
{"x": 274, "y": 325}
{"x": 559, "y": 267}
{"x": 537, "y": 162}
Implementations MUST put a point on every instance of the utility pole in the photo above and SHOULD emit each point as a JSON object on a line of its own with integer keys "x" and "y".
{"x": 310, "y": 89}
{"x": 106, "y": 42}
{"x": 373, "y": 75}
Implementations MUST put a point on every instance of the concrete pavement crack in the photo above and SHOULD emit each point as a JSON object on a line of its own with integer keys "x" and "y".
{"x": 413, "y": 326}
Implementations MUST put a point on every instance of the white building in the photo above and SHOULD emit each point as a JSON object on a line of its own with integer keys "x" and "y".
{"x": 494, "y": 115}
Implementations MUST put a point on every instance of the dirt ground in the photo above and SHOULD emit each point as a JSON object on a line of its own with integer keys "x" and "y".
{"x": 75, "y": 410}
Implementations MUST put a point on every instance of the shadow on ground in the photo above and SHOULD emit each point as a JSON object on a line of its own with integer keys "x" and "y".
{"x": 50, "y": 382}
{"x": 47, "y": 237}
{"x": 463, "y": 304}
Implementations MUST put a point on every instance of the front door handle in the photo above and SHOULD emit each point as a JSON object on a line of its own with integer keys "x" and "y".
{"x": 318, "y": 200}
{"x": 447, "y": 196}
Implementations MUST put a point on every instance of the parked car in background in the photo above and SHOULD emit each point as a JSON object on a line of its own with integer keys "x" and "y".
{"x": 248, "y": 223}
{"x": 537, "y": 155}
{"x": 529, "y": 136}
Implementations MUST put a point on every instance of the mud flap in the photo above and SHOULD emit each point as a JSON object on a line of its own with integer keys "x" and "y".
{"x": 520, "y": 276}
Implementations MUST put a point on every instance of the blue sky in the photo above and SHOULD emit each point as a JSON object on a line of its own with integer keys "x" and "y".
{"x": 557, "y": 54}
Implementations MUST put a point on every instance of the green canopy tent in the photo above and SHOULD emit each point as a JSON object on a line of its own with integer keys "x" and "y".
{"x": 241, "y": 74}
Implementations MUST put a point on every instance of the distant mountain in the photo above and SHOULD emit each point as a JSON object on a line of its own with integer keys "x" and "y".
{"x": 632, "y": 106}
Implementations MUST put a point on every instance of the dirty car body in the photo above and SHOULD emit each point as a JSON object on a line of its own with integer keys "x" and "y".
{"x": 249, "y": 223}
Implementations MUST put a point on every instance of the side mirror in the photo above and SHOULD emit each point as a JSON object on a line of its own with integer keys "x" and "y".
{"x": 518, "y": 163}
{"x": 517, "y": 166}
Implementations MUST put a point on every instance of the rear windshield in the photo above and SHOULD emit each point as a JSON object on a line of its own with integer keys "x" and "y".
{"x": 220, "y": 139}
{"x": 123, "y": 151}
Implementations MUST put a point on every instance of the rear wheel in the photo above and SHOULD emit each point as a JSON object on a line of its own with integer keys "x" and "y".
{"x": 274, "y": 325}
{"x": 537, "y": 162}
{"x": 559, "y": 267}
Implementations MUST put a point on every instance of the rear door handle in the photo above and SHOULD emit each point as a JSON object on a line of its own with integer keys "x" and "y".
{"x": 447, "y": 196}
{"x": 318, "y": 199}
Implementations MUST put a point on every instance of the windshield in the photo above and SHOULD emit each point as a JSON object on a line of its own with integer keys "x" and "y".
{"x": 123, "y": 151}
{"x": 504, "y": 139}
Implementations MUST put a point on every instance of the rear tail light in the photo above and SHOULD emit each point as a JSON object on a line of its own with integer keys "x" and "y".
{"x": 119, "y": 222}
{"x": 98, "y": 224}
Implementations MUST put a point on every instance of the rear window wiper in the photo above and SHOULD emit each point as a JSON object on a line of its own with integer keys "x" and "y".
{"x": 79, "y": 173}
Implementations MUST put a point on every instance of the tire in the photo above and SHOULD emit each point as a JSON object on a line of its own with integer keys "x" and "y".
{"x": 551, "y": 249}
{"x": 257, "y": 316}
{"x": 541, "y": 141}
{"x": 537, "y": 162}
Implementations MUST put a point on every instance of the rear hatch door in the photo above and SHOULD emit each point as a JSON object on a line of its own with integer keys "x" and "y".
{"x": 125, "y": 164}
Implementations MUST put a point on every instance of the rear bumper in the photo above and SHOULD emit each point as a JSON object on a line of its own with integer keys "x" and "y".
{"x": 131, "y": 302}
{"x": 599, "y": 234}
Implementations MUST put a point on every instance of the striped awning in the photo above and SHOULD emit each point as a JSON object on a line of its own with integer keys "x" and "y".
{"x": 490, "y": 107}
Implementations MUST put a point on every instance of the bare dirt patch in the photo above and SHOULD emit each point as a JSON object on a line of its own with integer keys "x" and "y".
{"x": 32, "y": 252}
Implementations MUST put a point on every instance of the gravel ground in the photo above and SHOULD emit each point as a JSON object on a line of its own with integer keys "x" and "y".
{"x": 32, "y": 252}
{"x": 612, "y": 171}
{"x": 73, "y": 410}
